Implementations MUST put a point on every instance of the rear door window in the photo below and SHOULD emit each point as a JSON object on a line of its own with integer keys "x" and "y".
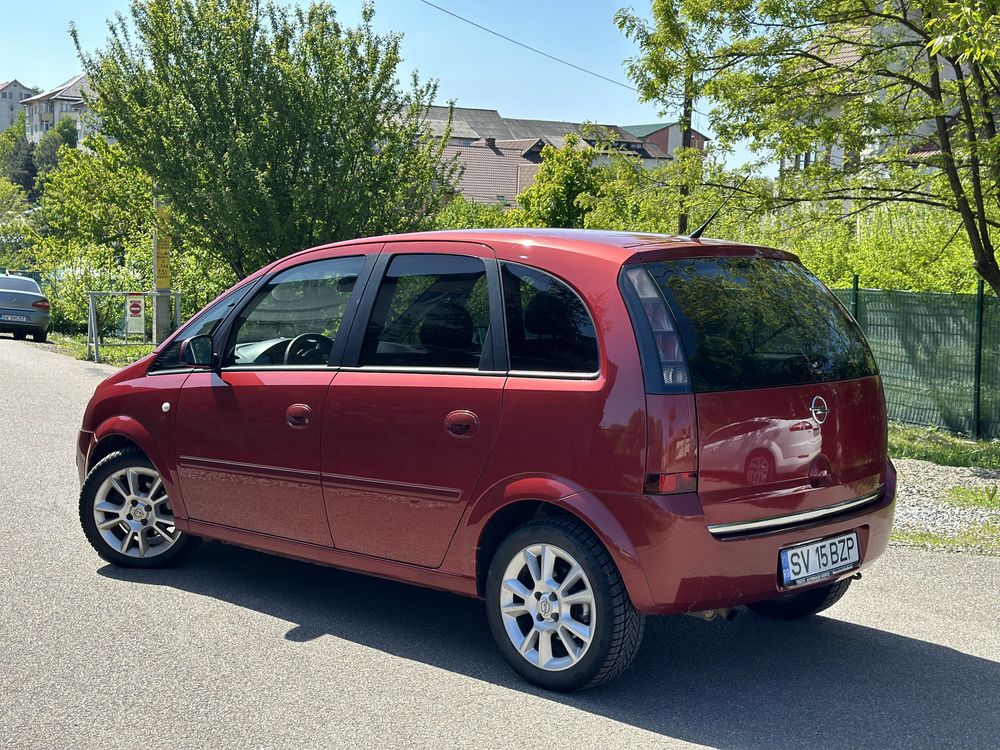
{"x": 759, "y": 323}
{"x": 430, "y": 311}
{"x": 548, "y": 327}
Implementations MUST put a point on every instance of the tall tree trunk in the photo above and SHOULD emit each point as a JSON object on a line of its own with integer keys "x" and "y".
{"x": 686, "y": 116}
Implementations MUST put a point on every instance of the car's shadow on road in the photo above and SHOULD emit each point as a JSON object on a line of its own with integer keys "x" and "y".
{"x": 751, "y": 683}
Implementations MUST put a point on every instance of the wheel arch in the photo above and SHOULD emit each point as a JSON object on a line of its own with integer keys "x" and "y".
{"x": 504, "y": 508}
{"x": 123, "y": 431}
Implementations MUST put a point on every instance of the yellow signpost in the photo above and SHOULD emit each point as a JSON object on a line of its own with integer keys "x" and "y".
{"x": 162, "y": 246}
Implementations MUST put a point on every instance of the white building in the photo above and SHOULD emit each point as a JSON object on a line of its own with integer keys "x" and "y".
{"x": 44, "y": 110}
{"x": 12, "y": 94}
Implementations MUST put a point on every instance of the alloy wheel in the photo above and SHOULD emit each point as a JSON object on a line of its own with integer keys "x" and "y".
{"x": 547, "y": 607}
{"x": 133, "y": 513}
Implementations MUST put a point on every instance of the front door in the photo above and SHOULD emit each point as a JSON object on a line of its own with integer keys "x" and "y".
{"x": 410, "y": 424}
{"x": 248, "y": 436}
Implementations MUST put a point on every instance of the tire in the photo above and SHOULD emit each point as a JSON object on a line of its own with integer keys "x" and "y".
{"x": 610, "y": 621}
{"x": 40, "y": 337}
{"x": 122, "y": 484}
{"x": 795, "y": 606}
{"x": 20, "y": 335}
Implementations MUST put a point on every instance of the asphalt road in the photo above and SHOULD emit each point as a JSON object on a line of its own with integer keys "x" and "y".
{"x": 238, "y": 649}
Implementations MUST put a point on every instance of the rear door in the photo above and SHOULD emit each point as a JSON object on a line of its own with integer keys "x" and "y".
{"x": 413, "y": 413}
{"x": 790, "y": 410}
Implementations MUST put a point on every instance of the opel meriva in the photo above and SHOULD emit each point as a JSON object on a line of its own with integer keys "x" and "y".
{"x": 581, "y": 428}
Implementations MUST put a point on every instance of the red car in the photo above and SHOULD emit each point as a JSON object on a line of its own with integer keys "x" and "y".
{"x": 581, "y": 428}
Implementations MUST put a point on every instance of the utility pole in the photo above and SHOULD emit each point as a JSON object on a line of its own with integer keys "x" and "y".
{"x": 686, "y": 114}
{"x": 161, "y": 275}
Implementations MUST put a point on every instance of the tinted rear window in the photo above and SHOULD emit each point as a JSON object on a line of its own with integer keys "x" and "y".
{"x": 759, "y": 323}
{"x": 18, "y": 284}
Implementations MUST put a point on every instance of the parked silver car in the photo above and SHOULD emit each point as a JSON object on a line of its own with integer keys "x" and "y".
{"x": 23, "y": 308}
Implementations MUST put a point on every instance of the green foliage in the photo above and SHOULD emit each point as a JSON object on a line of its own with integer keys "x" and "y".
{"x": 930, "y": 444}
{"x": 17, "y": 162}
{"x": 836, "y": 77}
{"x": 46, "y": 154}
{"x": 564, "y": 175}
{"x": 461, "y": 213}
{"x": 269, "y": 129}
{"x": 983, "y": 497}
{"x": 92, "y": 231}
{"x": 968, "y": 31}
{"x": 13, "y": 204}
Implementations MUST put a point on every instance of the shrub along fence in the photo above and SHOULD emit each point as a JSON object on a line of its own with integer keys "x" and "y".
{"x": 939, "y": 355}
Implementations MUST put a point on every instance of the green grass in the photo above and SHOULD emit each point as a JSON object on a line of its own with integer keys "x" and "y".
{"x": 112, "y": 353}
{"x": 930, "y": 444}
{"x": 984, "y": 538}
{"x": 983, "y": 497}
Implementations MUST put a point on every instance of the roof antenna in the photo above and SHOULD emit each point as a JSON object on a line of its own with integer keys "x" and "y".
{"x": 696, "y": 234}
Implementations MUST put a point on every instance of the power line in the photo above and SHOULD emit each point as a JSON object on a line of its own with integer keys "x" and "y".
{"x": 533, "y": 49}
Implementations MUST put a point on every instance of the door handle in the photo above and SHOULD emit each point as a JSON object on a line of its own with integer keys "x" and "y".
{"x": 298, "y": 416}
{"x": 461, "y": 423}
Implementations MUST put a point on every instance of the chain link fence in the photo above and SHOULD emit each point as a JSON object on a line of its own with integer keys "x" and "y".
{"x": 939, "y": 355}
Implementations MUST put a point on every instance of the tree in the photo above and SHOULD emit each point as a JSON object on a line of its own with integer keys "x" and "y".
{"x": 17, "y": 162}
{"x": 46, "y": 154}
{"x": 864, "y": 82}
{"x": 670, "y": 69}
{"x": 565, "y": 174}
{"x": 269, "y": 129}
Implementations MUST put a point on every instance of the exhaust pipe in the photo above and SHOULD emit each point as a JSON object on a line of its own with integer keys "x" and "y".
{"x": 726, "y": 613}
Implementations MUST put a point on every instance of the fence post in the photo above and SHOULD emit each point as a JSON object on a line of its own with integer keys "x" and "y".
{"x": 977, "y": 372}
{"x": 854, "y": 297}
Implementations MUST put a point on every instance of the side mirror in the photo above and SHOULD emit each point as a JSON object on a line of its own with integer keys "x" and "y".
{"x": 197, "y": 351}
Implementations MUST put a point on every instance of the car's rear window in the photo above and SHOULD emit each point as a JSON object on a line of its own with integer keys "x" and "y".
{"x": 18, "y": 284}
{"x": 759, "y": 323}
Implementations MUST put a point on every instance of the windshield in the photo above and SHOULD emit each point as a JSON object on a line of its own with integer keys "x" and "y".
{"x": 758, "y": 323}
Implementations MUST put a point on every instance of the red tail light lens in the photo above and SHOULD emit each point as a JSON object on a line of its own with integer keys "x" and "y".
{"x": 41, "y": 304}
{"x": 671, "y": 484}
{"x": 801, "y": 426}
{"x": 674, "y": 369}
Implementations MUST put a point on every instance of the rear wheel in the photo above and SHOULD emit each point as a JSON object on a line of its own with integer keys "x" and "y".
{"x": 558, "y": 609}
{"x": 40, "y": 337}
{"x": 20, "y": 335}
{"x": 126, "y": 513}
{"x": 794, "y": 606}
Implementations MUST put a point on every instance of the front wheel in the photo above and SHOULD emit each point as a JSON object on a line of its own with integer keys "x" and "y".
{"x": 126, "y": 513}
{"x": 558, "y": 609}
{"x": 803, "y": 604}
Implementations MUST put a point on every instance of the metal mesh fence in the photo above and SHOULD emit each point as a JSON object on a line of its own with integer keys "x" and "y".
{"x": 926, "y": 348}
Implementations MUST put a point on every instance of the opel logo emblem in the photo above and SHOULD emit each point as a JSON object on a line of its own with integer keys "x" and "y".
{"x": 819, "y": 409}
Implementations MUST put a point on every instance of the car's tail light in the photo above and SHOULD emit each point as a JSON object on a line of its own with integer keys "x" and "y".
{"x": 672, "y": 365}
{"x": 805, "y": 424}
{"x": 671, "y": 484}
{"x": 41, "y": 304}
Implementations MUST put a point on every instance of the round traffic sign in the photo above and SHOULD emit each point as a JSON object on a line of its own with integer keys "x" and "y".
{"x": 135, "y": 309}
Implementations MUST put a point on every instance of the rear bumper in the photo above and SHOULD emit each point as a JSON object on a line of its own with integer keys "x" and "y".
{"x": 687, "y": 569}
{"x": 38, "y": 321}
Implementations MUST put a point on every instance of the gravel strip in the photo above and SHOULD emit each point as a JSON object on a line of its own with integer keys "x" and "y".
{"x": 922, "y": 497}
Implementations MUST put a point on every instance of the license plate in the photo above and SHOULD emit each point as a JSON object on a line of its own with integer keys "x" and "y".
{"x": 15, "y": 318}
{"x": 814, "y": 561}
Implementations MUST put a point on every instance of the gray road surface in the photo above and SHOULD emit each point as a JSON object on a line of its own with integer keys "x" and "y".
{"x": 238, "y": 649}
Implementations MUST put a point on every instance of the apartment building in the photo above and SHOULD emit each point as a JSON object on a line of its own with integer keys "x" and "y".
{"x": 12, "y": 94}
{"x": 44, "y": 110}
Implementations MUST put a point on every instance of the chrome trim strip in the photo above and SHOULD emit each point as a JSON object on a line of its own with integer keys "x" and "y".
{"x": 792, "y": 518}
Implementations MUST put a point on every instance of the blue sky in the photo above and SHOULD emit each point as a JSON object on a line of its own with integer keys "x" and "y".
{"x": 473, "y": 67}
